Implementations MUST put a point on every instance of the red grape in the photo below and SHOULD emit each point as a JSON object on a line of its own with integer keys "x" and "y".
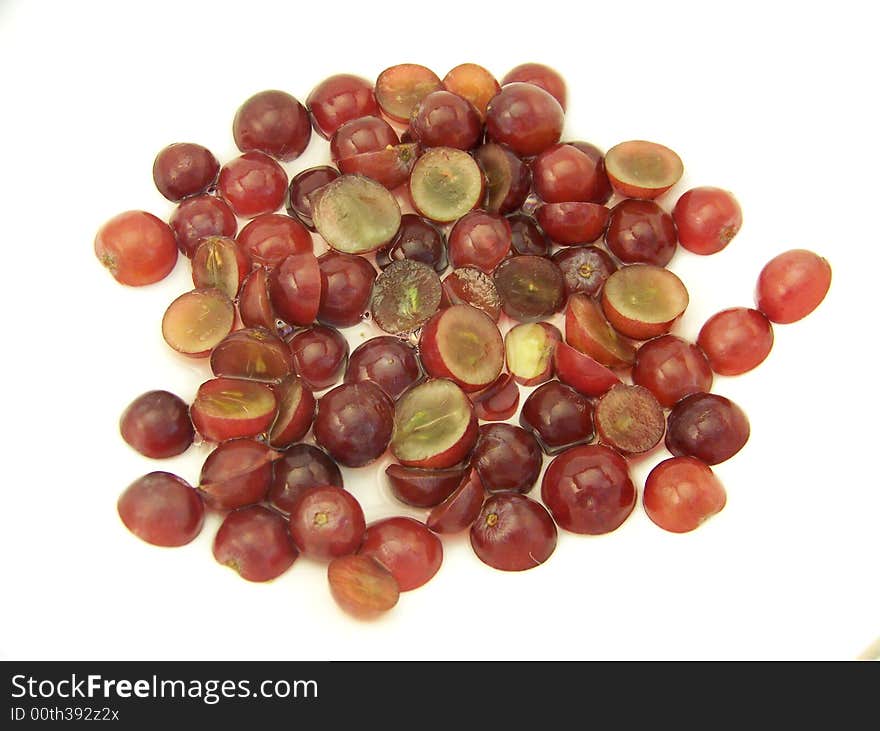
{"x": 405, "y": 547}
{"x": 162, "y": 509}
{"x": 157, "y": 425}
{"x": 254, "y": 541}
{"x": 513, "y": 533}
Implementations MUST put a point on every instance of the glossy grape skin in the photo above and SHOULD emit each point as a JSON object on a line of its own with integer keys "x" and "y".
{"x": 513, "y": 532}
{"x": 326, "y": 522}
{"x": 339, "y": 99}
{"x": 423, "y": 488}
{"x": 417, "y": 239}
{"x": 671, "y": 368}
{"x": 273, "y": 122}
{"x": 252, "y": 183}
{"x": 572, "y": 223}
{"x": 364, "y": 134}
{"x": 157, "y": 425}
{"x": 736, "y": 340}
{"x": 411, "y": 552}
{"x": 708, "y": 427}
{"x": 444, "y": 119}
{"x": 255, "y": 542}
{"x": 254, "y": 305}
{"x": 346, "y": 286}
{"x": 584, "y": 269}
{"x": 498, "y": 401}
{"x": 508, "y": 178}
{"x": 361, "y": 586}
{"x": 507, "y": 458}
{"x": 792, "y": 285}
{"x": 681, "y": 493}
{"x": 354, "y": 423}
{"x": 200, "y": 217}
{"x": 457, "y": 512}
{"x": 525, "y": 118}
{"x": 540, "y": 75}
{"x": 558, "y": 416}
{"x": 184, "y": 169}
{"x": 271, "y": 237}
{"x": 640, "y": 231}
{"x": 302, "y": 185}
{"x": 526, "y": 236}
{"x": 237, "y": 473}
{"x": 320, "y": 354}
{"x": 136, "y": 248}
{"x": 300, "y": 467}
{"x": 588, "y": 490}
{"x": 296, "y": 412}
{"x": 480, "y": 240}
{"x": 706, "y": 219}
{"x": 295, "y": 289}
{"x": 389, "y": 362}
{"x": 570, "y": 172}
{"x": 162, "y": 509}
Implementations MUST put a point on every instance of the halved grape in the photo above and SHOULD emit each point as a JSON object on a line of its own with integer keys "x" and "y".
{"x": 362, "y": 586}
{"x": 462, "y": 343}
{"x": 219, "y": 263}
{"x": 498, "y": 401}
{"x": 226, "y": 408}
{"x": 197, "y": 321}
{"x": 254, "y": 304}
{"x": 405, "y": 296}
{"x": 681, "y": 493}
{"x": 445, "y": 184}
{"x": 295, "y": 289}
{"x": 573, "y": 223}
{"x": 630, "y": 419}
{"x": 355, "y": 214}
{"x": 642, "y": 300}
{"x": 640, "y": 169}
{"x": 587, "y": 330}
{"x": 434, "y": 425}
{"x": 474, "y": 83}
{"x": 531, "y": 287}
{"x": 529, "y": 349}
{"x": 581, "y": 372}
{"x": 400, "y": 88}
{"x": 508, "y": 178}
{"x": 252, "y": 353}
{"x": 423, "y": 488}
{"x": 236, "y": 473}
{"x": 390, "y": 166}
{"x": 468, "y": 286}
{"x": 513, "y": 533}
{"x": 296, "y": 412}
{"x": 461, "y": 508}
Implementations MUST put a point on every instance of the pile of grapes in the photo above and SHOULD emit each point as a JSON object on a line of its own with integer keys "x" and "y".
{"x": 488, "y": 255}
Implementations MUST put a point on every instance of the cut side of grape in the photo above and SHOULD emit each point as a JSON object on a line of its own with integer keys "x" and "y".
{"x": 531, "y": 287}
{"x": 226, "y": 408}
{"x": 254, "y": 354}
{"x": 445, "y": 184}
{"x": 463, "y": 344}
{"x": 197, "y": 321}
{"x": 434, "y": 426}
{"x": 629, "y": 419}
{"x": 468, "y": 286}
{"x": 508, "y": 178}
{"x": 643, "y": 301}
{"x": 405, "y": 296}
{"x": 219, "y": 263}
{"x": 457, "y": 512}
{"x": 587, "y": 330}
{"x": 529, "y": 348}
{"x": 362, "y": 586}
{"x": 474, "y": 83}
{"x": 296, "y": 412}
{"x": 400, "y": 88}
{"x": 640, "y": 169}
{"x": 355, "y": 214}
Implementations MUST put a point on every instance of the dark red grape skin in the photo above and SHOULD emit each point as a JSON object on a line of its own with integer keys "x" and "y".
{"x": 157, "y": 425}
{"x": 508, "y": 178}
{"x": 255, "y": 542}
{"x": 513, "y": 532}
{"x": 584, "y": 269}
{"x": 480, "y": 240}
{"x": 389, "y": 362}
{"x": 444, "y": 119}
{"x": 162, "y": 509}
{"x": 498, "y": 401}
{"x": 300, "y": 468}
{"x": 346, "y": 286}
{"x": 423, "y": 488}
{"x": 354, "y": 423}
{"x": 540, "y": 75}
{"x": 707, "y": 219}
{"x": 507, "y": 458}
{"x": 364, "y": 134}
{"x": 271, "y": 237}
{"x": 460, "y": 509}
{"x": 252, "y": 183}
{"x": 320, "y": 354}
{"x": 736, "y": 340}
{"x": 571, "y": 172}
{"x": 558, "y": 416}
{"x": 671, "y": 368}
{"x": 338, "y": 99}
{"x": 199, "y": 217}
{"x": 524, "y": 117}
{"x": 640, "y": 231}
{"x": 588, "y": 489}
{"x": 531, "y": 287}
{"x": 273, "y": 122}
{"x": 184, "y": 169}
{"x": 302, "y": 185}
{"x": 526, "y": 236}
{"x": 404, "y": 546}
{"x": 417, "y": 239}
{"x": 706, "y": 426}
{"x": 326, "y": 522}
{"x": 237, "y": 473}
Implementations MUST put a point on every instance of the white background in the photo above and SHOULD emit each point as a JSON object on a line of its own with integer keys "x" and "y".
{"x": 774, "y": 103}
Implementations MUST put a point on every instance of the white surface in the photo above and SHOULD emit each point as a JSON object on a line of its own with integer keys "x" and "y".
{"x": 772, "y": 103}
